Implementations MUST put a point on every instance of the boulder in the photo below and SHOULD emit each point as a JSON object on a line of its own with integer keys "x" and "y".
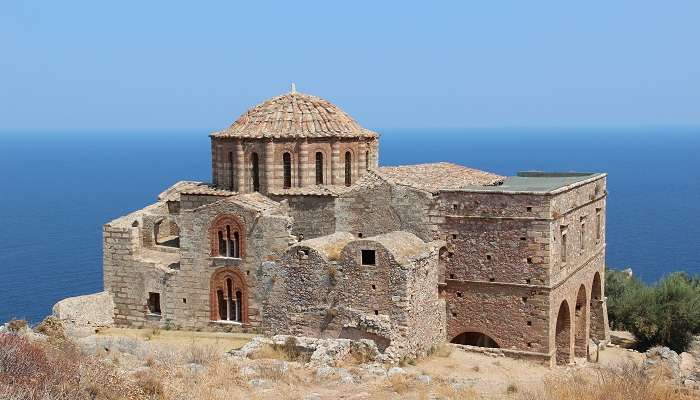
{"x": 663, "y": 361}
{"x": 89, "y": 310}
{"x": 395, "y": 371}
{"x": 623, "y": 339}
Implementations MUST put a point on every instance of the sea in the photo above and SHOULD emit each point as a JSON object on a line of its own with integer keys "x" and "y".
{"x": 57, "y": 189}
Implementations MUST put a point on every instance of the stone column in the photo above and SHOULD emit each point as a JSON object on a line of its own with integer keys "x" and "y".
{"x": 269, "y": 166}
{"x": 303, "y": 170}
{"x": 335, "y": 163}
{"x": 240, "y": 167}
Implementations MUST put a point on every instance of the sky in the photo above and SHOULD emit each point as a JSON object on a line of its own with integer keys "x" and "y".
{"x": 85, "y": 65}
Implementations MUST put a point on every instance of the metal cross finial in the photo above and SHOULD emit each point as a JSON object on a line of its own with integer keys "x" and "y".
{"x": 294, "y": 88}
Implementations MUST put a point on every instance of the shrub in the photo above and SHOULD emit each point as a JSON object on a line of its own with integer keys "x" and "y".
{"x": 666, "y": 314}
{"x": 17, "y": 325}
{"x": 20, "y": 360}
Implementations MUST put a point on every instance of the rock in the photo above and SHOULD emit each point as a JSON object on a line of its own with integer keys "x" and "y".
{"x": 3, "y": 328}
{"x": 195, "y": 368}
{"x": 256, "y": 383}
{"x": 374, "y": 369}
{"x": 395, "y": 371}
{"x": 247, "y": 371}
{"x": 345, "y": 376}
{"x": 313, "y": 396}
{"x": 323, "y": 372}
{"x": 686, "y": 365}
{"x": 89, "y": 310}
{"x": 329, "y": 352}
{"x": 424, "y": 379}
{"x": 664, "y": 361}
{"x": 622, "y": 339}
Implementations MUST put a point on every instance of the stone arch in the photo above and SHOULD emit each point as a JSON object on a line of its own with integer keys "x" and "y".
{"x": 228, "y": 296}
{"x": 562, "y": 334}
{"x": 598, "y": 320}
{"x": 581, "y": 323}
{"x": 475, "y": 338}
{"x": 227, "y": 237}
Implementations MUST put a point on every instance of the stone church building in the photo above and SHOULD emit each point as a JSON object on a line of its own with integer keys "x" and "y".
{"x": 302, "y": 232}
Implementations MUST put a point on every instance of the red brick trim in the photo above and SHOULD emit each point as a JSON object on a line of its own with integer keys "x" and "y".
{"x": 218, "y": 282}
{"x": 220, "y": 223}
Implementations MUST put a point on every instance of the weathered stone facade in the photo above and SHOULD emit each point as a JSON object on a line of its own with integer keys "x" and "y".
{"x": 303, "y": 233}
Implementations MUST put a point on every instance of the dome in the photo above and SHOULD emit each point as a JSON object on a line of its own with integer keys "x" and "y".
{"x": 295, "y": 115}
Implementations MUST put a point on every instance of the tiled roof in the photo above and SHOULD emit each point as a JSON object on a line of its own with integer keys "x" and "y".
{"x": 255, "y": 200}
{"x": 436, "y": 176}
{"x": 294, "y": 115}
{"x": 191, "y": 187}
{"x": 319, "y": 190}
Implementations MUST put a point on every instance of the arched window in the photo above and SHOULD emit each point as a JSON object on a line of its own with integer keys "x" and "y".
{"x": 255, "y": 171}
{"x": 228, "y": 296}
{"x": 230, "y": 170}
{"x": 319, "y": 168}
{"x": 348, "y": 168}
{"x": 287, "y": 162}
{"x": 367, "y": 160}
{"x": 226, "y": 234}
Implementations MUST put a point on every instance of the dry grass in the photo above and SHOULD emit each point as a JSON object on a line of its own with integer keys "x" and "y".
{"x": 201, "y": 354}
{"x": 625, "y": 381}
{"x": 443, "y": 350}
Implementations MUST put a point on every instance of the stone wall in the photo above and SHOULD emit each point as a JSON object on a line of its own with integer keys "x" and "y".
{"x": 232, "y": 161}
{"x": 326, "y": 293}
{"x": 313, "y": 216}
{"x": 376, "y": 206}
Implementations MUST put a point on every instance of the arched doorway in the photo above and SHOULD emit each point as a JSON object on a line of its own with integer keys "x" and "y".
{"x": 474, "y": 339}
{"x": 562, "y": 338}
{"x": 598, "y": 321}
{"x": 228, "y": 296}
{"x": 581, "y": 323}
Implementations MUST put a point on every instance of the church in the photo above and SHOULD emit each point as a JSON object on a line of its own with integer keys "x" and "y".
{"x": 302, "y": 232}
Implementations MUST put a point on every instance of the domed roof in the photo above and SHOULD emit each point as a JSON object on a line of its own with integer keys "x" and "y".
{"x": 294, "y": 115}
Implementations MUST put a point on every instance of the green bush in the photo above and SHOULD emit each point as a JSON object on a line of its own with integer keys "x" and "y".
{"x": 667, "y": 313}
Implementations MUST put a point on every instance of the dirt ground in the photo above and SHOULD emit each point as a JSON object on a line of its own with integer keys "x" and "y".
{"x": 457, "y": 373}
{"x": 220, "y": 341}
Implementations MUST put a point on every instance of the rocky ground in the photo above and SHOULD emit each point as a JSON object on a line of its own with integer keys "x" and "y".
{"x": 148, "y": 364}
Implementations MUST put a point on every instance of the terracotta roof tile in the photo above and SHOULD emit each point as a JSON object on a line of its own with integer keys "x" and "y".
{"x": 294, "y": 115}
{"x": 436, "y": 176}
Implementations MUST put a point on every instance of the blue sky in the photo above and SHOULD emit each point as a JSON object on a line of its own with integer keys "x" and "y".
{"x": 68, "y": 65}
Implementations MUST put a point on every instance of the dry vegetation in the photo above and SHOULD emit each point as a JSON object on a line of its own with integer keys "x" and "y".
{"x": 118, "y": 367}
{"x": 626, "y": 381}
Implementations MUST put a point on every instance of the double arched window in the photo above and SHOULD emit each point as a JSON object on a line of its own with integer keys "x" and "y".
{"x": 229, "y": 243}
{"x": 227, "y": 237}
